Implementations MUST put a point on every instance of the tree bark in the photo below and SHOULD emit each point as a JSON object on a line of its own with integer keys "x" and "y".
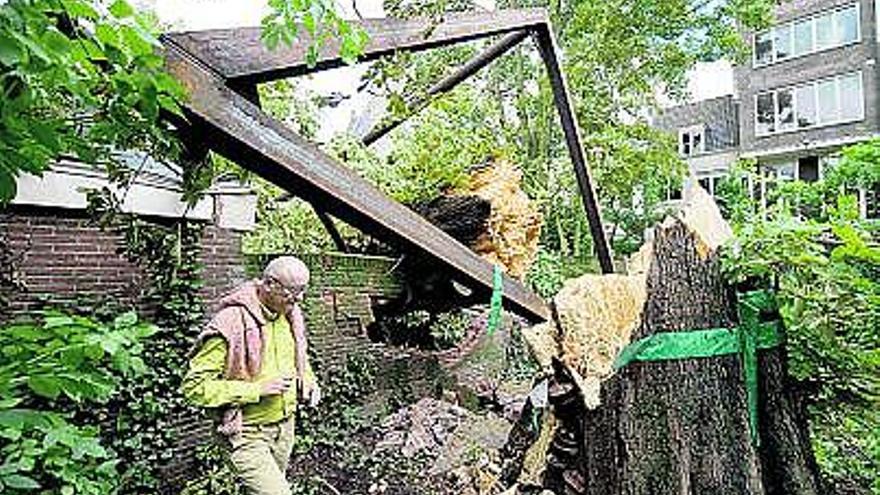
{"x": 682, "y": 426}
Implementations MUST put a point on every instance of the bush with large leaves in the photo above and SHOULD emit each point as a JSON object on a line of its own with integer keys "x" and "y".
{"x": 55, "y": 373}
{"x": 81, "y": 79}
{"x": 825, "y": 261}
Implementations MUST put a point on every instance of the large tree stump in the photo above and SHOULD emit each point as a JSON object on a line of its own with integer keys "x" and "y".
{"x": 682, "y": 426}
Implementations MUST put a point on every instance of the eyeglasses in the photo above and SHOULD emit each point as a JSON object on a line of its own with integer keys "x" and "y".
{"x": 288, "y": 292}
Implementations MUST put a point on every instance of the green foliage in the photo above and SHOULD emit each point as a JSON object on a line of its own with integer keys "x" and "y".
{"x": 217, "y": 474}
{"x": 289, "y": 103}
{"x": 449, "y": 328}
{"x": 521, "y": 366}
{"x": 634, "y": 170}
{"x": 319, "y": 20}
{"x": 825, "y": 262}
{"x": 423, "y": 329}
{"x": 551, "y": 269}
{"x": 435, "y": 154}
{"x": 847, "y": 447}
{"x": 340, "y": 414}
{"x": 79, "y": 78}
{"x": 169, "y": 258}
{"x": 55, "y": 373}
{"x": 335, "y": 444}
{"x": 288, "y": 227}
{"x": 646, "y": 44}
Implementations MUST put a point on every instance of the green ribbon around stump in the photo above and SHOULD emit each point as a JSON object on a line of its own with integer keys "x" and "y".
{"x": 495, "y": 303}
{"x": 751, "y": 334}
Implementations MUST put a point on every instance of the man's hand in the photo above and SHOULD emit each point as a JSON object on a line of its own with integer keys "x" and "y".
{"x": 276, "y": 387}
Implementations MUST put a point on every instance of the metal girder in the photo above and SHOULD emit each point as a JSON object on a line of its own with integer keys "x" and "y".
{"x": 549, "y": 52}
{"x": 237, "y": 128}
{"x": 240, "y": 53}
{"x": 447, "y": 83}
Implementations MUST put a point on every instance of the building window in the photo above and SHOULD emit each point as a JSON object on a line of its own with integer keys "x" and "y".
{"x": 826, "y": 102}
{"x": 872, "y": 202}
{"x": 804, "y": 36}
{"x": 846, "y": 25}
{"x": 785, "y": 109}
{"x": 824, "y": 32}
{"x": 808, "y": 168}
{"x": 782, "y": 41}
{"x": 764, "y": 48}
{"x": 710, "y": 183}
{"x": 850, "y": 97}
{"x": 674, "y": 191}
{"x": 806, "y": 108}
{"x": 766, "y": 120}
{"x": 691, "y": 140}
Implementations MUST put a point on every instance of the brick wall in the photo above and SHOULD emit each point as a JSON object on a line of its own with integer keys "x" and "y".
{"x": 60, "y": 257}
{"x": 63, "y": 258}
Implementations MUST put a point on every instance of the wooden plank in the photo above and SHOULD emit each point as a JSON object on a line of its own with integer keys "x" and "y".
{"x": 549, "y": 52}
{"x": 240, "y": 130}
{"x": 240, "y": 53}
{"x": 470, "y": 68}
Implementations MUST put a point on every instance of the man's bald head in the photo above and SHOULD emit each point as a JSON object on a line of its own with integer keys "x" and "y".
{"x": 290, "y": 271}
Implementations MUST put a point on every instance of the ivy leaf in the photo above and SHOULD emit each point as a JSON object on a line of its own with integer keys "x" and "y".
{"x": 107, "y": 35}
{"x": 57, "y": 321}
{"x": 10, "y": 52}
{"x": 20, "y": 482}
{"x": 56, "y": 41}
{"x": 124, "y": 320}
{"x": 33, "y": 47}
{"x": 312, "y": 55}
{"x": 271, "y": 35}
{"x": 44, "y": 386}
{"x": 79, "y": 8}
{"x": 121, "y": 9}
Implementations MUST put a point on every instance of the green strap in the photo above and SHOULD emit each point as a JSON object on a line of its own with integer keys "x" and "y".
{"x": 756, "y": 335}
{"x": 495, "y": 304}
{"x": 745, "y": 339}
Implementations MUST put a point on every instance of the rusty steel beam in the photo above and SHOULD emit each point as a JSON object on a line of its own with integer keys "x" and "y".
{"x": 470, "y": 68}
{"x": 331, "y": 229}
{"x": 250, "y": 92}
{"x": 549, "y": 52}
{"x": 240, "y": 53}
{"x": 237, "y": 128}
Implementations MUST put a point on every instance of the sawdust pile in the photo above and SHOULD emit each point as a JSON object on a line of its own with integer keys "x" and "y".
{"x": 515, "y": 223}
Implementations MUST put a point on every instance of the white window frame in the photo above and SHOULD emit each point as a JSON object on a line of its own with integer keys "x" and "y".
{"x": 713, "y": 178}
{"x": 815, "y": 83}
{"x": 812, "y": 20}
{"x": 691, "y": 132}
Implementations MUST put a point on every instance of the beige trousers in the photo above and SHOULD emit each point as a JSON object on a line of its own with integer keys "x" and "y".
{"x": 260, "y": 454}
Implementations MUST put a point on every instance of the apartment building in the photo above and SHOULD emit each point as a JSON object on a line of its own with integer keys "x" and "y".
{"x": 810, "y": 89}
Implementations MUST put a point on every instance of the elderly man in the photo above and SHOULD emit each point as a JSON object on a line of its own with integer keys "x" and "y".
{"x": 250, "y": 365}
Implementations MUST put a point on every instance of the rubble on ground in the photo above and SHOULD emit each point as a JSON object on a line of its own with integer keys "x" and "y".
{"x": 461, "y": 447}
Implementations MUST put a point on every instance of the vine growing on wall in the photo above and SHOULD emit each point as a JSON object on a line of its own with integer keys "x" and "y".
{"x": 168, "y": 255}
